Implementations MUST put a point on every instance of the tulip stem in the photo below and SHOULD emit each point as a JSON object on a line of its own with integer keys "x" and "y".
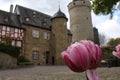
{"x": 86, "y": 75}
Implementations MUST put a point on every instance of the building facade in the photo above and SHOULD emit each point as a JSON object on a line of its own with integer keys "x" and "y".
{"x": 41, "y": 37}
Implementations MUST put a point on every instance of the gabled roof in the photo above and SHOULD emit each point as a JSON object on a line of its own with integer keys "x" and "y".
{"x": 9, "y": 19}
{"x": 32, "y": 17}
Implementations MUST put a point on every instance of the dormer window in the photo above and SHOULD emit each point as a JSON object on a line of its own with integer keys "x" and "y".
{"x": 34, "y": 14}
{"x": 44, "y": 23}
{"x": 27, "y": 19}
{"x": 6, "y": 19}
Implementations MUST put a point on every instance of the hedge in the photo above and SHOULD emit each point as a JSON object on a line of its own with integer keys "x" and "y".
{"x": 10, "y": 50}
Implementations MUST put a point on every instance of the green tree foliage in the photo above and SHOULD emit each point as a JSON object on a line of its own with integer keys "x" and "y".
{"x": 104, "y": 6}
{"x": 114, "y": 42}
{"x": 107, "y": 52}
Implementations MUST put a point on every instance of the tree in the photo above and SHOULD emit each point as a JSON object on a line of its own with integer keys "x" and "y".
{"x": 104, "y": 7}
{"x": 114, "y": 42}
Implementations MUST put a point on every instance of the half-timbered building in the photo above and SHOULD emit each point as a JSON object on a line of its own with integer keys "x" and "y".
{"x": 11, "y": 31}
{"x": 41, "y": 37}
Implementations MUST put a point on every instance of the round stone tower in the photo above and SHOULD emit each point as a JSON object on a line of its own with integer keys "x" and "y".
{"x": 80, "y": 20}
{"x": 59, "y": 31}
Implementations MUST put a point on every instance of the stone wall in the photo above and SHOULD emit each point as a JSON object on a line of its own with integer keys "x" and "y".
{"x": 7, "y": 61}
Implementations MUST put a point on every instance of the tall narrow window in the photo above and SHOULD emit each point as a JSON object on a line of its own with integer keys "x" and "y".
{"x": 13, "y": 43}
{"x": 4, "y": 27}
{"x": 3, "y": 32}
{"x": 11, "y": 30}
{"x": 46, "y": 35}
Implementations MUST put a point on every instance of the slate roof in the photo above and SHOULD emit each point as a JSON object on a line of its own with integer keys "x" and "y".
{"x": 33, "y": 17}
{"x": 59, "y": 14}
{"x": 9, "y": 19}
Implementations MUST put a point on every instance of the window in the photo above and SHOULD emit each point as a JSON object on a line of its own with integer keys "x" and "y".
{"x": 35, "y": 33}
{"x": 8, "y": 28}
{"x": 13, "y": 43}
{"x": 4, "y": 27}
{"x": 46, "y": 35}
{"x": 16, "y": 35}
{"x": 16, "y": 30}
{"x": 11, "y": 30}
{"x": 19, "y": 43}
{"x": 27, "y": 19}
{"x": 3, "y": 32}
{"x": 34, "y": 14}
{"x": 6, "y": 19}
{"x": 35, "y": 55}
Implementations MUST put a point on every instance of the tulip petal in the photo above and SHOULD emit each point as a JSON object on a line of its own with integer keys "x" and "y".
{"x": 116, "y": 54}
{"x": 70, "y": 64}
{"x": 95, "y": 53}
{"x": 92, "y": 75}
{"x": 79, "y": 56}
{"x": 118, "y": 48}
{"x": 82, "y": 56}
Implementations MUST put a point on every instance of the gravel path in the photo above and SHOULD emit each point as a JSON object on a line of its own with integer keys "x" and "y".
{"x": 32, "y": 71}
{"x": 55, "y": 73}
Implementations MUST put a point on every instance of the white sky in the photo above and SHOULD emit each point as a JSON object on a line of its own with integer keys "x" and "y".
{"x": 106, "y": 26}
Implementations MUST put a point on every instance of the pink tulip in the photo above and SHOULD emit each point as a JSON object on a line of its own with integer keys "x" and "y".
{"x": 83, "y": 56}
{"x": 117, "y": 53}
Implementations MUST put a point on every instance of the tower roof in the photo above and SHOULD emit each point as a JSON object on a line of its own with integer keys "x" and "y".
{"x": 59, "y": 14}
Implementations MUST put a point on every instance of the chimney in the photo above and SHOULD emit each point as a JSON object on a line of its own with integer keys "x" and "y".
{"x": 11, "y": 8}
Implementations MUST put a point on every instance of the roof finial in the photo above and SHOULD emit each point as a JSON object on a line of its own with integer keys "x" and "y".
{"x": 59, "y": 4}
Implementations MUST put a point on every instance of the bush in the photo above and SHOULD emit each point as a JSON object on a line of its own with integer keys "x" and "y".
{"x": 10, "y": 50}
{"x": 108, "y": 56}
{"x": 23, "y": 61}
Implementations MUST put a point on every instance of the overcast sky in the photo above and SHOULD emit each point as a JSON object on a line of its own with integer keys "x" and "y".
{"x": 110, "y": 28}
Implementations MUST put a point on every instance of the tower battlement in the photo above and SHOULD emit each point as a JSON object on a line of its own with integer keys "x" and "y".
{"x": 79, "y": 3}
